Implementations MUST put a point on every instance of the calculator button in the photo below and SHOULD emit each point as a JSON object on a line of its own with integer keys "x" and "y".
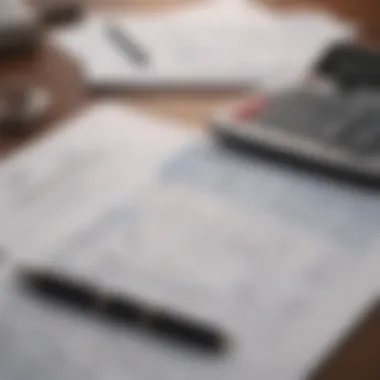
{"x": 360, "y": 132}
{"x": 307, "y": 114}
{"x": 250, "y": 108}
{"x": 363, "y": 137}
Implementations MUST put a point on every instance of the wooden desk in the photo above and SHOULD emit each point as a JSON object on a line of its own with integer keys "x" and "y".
{"x": 360, "y": 358}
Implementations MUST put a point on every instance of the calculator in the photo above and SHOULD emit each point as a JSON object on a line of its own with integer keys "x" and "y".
{"x": 331, "y": 132}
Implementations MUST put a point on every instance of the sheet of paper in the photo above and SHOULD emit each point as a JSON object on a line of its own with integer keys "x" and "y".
{"x": 121, "y": 200}
{"x": 88, "y": 162}
{"x": 172, "y": 41}
{"x": 236, "y": 46}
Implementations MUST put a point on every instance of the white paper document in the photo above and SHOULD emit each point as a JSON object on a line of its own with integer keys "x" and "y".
{"x": 129, "y": 204}
{"x": 69, "y": 175}
{"x": 219, "y": 45}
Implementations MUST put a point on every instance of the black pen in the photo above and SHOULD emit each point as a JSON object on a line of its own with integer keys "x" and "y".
{"x": 127, "y": 45}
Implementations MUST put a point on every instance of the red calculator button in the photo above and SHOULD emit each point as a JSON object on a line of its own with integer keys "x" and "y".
{"x": 250, "y": 108}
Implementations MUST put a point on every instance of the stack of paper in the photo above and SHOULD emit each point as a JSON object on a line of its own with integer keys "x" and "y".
{"x": 135, "y": 207}
{"x": 220, "y": 44}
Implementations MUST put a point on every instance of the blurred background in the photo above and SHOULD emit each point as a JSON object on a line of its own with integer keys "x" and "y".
{"x": 42, "y": 84}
